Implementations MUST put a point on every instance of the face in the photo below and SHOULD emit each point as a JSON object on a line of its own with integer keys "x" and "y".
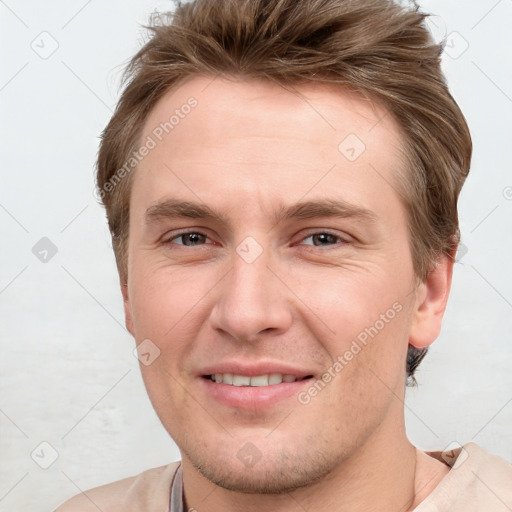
{"x": 269, "y": 268}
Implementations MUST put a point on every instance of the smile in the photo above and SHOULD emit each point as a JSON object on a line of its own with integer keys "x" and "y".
{"x": 254, "y": 381}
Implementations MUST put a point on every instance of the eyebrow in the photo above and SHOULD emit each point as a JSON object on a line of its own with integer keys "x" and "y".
{"x": 172, "y": 208}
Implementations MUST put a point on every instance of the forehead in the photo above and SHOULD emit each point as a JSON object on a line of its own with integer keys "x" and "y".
{"x": 242, "y": 108}
{"x": 255, "y": 139}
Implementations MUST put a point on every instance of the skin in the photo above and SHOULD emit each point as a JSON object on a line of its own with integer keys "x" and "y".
{"x": 247, "y": 148}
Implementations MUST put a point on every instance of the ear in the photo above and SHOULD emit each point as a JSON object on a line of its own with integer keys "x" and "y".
{"x": 127, "y": 308}
{"x": 431, "y": 298}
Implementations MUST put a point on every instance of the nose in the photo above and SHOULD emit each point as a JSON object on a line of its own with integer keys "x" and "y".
{"x": 252, "y": 301}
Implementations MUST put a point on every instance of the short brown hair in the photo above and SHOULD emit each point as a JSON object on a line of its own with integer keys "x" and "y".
{"x": 375, "y": 47}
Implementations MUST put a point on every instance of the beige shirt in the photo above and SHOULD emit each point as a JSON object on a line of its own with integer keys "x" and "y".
{"x": 477, "y": 482}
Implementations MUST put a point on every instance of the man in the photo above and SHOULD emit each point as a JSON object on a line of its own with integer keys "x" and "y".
{"x": 281, "y": 181}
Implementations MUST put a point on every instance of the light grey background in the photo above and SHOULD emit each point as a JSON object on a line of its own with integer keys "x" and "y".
{"x": 68, "y": 375}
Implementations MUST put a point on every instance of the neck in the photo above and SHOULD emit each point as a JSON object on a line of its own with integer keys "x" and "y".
{"x": 387, "y": 473}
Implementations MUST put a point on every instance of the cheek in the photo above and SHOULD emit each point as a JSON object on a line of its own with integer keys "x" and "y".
{"x": 363, "y": 381}
{"x": 169, "y": 307}
{"x": 164, "y": 298}
{"x": 368, "y": 316}
{"x": 349, "y": 302}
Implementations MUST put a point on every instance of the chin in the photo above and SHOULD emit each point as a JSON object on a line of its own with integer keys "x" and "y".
{"x": 279, "y": 473}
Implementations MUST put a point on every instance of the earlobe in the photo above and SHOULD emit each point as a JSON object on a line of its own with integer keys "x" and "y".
{"x": 431, "y": 299}
{"x": 127, "y": 308}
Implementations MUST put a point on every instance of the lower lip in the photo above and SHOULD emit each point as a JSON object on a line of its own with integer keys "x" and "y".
{"x": 252, "y": 397}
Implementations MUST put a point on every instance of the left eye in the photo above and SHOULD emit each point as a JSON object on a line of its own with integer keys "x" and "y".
{"x": 324, "y": 239}
{"x": 190, "y": 239}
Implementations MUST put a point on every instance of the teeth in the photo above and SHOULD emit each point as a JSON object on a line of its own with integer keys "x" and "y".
{"x": 275, "y": 378}
{"x": 260, "y": 380}
{"x": 256, "y": 381}
{"x": 241, "y": 380}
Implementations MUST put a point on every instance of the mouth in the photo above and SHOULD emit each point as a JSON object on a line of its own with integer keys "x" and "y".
{"x": 265, "y": 380}
{"x": 255, "y": 392}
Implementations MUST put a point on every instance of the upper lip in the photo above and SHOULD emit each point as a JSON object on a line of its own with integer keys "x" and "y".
{"x": 254, "y": 369}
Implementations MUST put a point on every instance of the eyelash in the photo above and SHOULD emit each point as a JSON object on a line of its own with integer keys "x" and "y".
{"x": 342, "y": 241}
